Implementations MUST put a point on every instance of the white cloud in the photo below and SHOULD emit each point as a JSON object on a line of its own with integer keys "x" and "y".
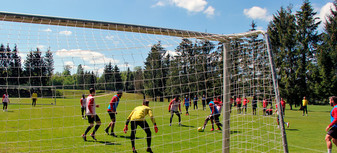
{"x": 47, "y": 30}
{"x": 41, "y": 47}
{"x": 325, "y": 11}
{"x": 109, "y": 37}
{"x": 69, "y": 63}
{"x": 194, "y": 6}
{"x": 86, "y": 55}
{"x": 257, "y": 13}
{"x": 209, "y": 11}
{"x": 67, "y": 33}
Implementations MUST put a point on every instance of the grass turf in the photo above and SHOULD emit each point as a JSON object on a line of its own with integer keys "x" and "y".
{"x": 58, "y": 128}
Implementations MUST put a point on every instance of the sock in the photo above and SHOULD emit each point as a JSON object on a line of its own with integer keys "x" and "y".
{"x": 329, "y": 150}
{"x": 87, "y": 130}
{"x": 96, "y": 128}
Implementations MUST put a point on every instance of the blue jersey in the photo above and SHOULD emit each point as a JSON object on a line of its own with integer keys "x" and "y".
{"x": 212, "y": 105}
{"x": 187, "y": 101}
{"x": 331, "y": 117}
{"x": 114, "y": 102}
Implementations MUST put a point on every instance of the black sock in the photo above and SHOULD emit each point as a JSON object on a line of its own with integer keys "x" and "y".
{"x": 96, "y": 128}
{"x": 87, "y": 130}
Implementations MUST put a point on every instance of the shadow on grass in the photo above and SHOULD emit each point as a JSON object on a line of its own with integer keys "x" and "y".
{"x": 128, "y": 137}
{"x": 234, "y": 132}
{"x": 292, "y": 130}
{"x": 10, "y": 111}
{"x": 182, "y": 125}
{"x": 105, "y": 142}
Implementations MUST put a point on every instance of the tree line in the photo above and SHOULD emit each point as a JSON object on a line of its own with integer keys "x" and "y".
{"x": 304, "y": 58}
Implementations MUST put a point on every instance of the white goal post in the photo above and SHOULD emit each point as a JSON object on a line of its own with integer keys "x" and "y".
{"x": 190, "y": 64}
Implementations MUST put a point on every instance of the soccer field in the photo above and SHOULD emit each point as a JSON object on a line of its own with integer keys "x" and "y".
{"x": 58, "y": 128}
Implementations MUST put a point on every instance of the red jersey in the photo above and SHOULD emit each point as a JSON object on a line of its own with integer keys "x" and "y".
{"x": 238, "y": 100}
{"x": 174, "y": 105}
{"x": 283, "y": 104}
{"x": 231, "y": 101}
{"x": 91, "y": 106}
{"x": 265, "y": 103}
{"x": 83, "y": 102}
{"x": 245, "y": 101}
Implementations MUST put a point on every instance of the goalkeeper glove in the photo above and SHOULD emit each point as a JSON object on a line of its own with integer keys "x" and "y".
{"x": 155, "y": 128}
{"x": 125, "y": 129}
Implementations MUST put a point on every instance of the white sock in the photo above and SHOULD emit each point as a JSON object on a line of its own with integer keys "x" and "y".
{"x": 329, "y": 150}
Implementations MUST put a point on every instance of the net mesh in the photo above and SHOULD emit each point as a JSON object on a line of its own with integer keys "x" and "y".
{"x": 64, "y": 58}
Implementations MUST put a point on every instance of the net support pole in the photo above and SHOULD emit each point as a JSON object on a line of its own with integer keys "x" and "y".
{"x": 277, "y": 95}
{"x": 226, "y": 100}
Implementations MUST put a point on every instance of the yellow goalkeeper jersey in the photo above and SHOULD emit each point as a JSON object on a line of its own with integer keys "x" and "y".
{"x": 305, "y": 102}
{"x": 34, "y": 95}
{"x": 139, "y": 113}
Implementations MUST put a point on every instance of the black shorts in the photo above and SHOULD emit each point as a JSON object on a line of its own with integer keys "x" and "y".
{"x": 92, "y": 119}
{"x": 333, "y": 132}
{"x": 112, "y": 115}
{"x": 175, "y": 112}
{"x": 245, "y": 106}
{"x": 239, "y": 105}
{"x": 254, "y": 106}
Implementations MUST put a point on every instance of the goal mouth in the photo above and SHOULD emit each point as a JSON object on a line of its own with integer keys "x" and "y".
{"x": 62, "y": 58}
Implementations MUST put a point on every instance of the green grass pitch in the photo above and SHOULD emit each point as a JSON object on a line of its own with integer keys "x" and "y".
{"x": 58, "y": 128}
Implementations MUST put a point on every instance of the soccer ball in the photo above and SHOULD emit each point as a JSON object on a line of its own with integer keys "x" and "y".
{"x": 200, "y": 129}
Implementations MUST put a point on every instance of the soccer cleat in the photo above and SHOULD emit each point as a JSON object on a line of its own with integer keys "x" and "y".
{"x": 218, "y": 129}
{"x": 134, "y": 150}
{"x": 170, "y": 124}
{"x": 113, "y": 134}
{"x": 212, "y": 129}
{"x": 287, "y": 124}
{"x": 179, "y": 123}
{"x": 93, "y": 137}
{"x": 84, "y": 137}
{"x": 107, "y": 131}
{"x": 149, "y": 150}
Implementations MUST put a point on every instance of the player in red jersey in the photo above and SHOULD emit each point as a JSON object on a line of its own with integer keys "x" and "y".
{"x": 278, "y": 118}
{"x": 238, "y": 104}
{"x": 332, "y": 127}
{"x": 231, "y": 104}
{"x": 264, "y": 104}
{"x": 83, "y": 106}
{"x": 112, "y": 110}
{"x": 5, "y": 101}
{"x": 283, "y": 104}
{"x": 245, "y": 103}
{"x": 91, "y": 114}
{"x": 173, "y": 109}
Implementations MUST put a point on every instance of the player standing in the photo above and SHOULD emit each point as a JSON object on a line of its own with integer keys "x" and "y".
{"x": 5, "y": 101}
{"x": 83, "y": 106}
{"x": 137, "y": 118}
{"x": 304, "y": 104}
{"x": 238, "y": 104}
{"x": 254, "y": 105}
{"x": 332, "y": 127}
{"x": 231, "y": 104}
{"x": 203, "y": 100}
{"x": 245, "y": 103}
{"x": 195, "y": 102}
{"x": 187, "y": 103}
{"x": 264, "y": 104}
{"x": 34, "y": 98}
{"x": 173, "y": 109}
{"x": 112, "y": 110}
{"x": 283, "y": 104}
{"x": 92, "y": 116}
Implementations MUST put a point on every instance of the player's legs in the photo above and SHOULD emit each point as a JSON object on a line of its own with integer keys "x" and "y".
{"x": 328, "y": 142}
{"x": 179, "y": 118}
{"x": 133, "y": 134}
{"x": 98, "y": 124}
{"x": 171, "y": 116}
{"x": 3, "y": 106}
{"x": 82, "y": 111}
{"x": 334, "y": 141}
{"x": 264, "y": 111}
{"x": 147, "y": 130}
{"x": 186, "y": 107}
{"x": 217, "y": 121}
{"x": 203, "y": 105}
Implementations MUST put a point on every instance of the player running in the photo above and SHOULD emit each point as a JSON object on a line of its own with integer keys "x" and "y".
{"x": 187, "y": 103}
{"x": 137, "y": 118}
{"x": 173, "y": 108}
{"x": 92, "y": 116}
{"x": 83, "y": 106}
{"x": 332, "y": 127}
{"x": 112, "y": 110}
{"x": 5, "y": 101}
{"x": 214, "y": 116}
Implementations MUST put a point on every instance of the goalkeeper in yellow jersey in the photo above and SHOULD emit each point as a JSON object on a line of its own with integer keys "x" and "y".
{"x": 137, "y": 117}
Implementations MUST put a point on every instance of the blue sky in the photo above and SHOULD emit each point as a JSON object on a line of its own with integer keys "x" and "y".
{"x": 212, "y": 16}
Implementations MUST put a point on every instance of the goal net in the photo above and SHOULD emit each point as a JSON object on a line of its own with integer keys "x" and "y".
{"x": 67, "y": 57}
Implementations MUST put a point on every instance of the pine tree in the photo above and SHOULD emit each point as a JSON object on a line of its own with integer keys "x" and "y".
{"x": 307, "y": 36}
{"x": 15, "y": 67}
{"x": 118, "y": 79}
{"x": 80, "y": 77}
{"x": 49, "y": 69}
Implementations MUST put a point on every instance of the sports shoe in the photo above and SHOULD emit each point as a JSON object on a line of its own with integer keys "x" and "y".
{"x": 170, "y": 124}
{"x": 287, "y": 124}
{"x": 218, "y": 129}
{"x": 113, "y": 134}
{"x": 212, "y": 129}
{"x": 179, "y": 123}
{"x": 107, "y": 131}
{"x": 93, "y": 137}
{"x": 149, "y": 150}
{"x": 84, "y": 137}
{"x": 134, "y": 150}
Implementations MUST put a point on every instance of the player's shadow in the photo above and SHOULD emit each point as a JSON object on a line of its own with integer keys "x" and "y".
{"x": 105, "y": 142}
{"x": 128, "y": 137}
{"x": 10, "y": 111}
{"x": 292, "y": 129}
{"x": 235, "y": 132}
{"x": 182, "y": 125}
